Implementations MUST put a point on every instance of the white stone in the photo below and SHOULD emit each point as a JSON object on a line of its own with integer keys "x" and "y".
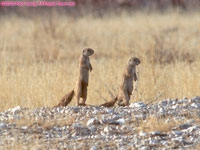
{"x": 161, "y": 110}
{"x": 24, "y": 127}
{"x": 93, "y": 121}
{"x": 173, "y": 102}
{"x": 139, "y": 104}
{"x": 3, "y": 125}
{"x": 175, "y": 107}
{"x": 108, "y": 129}
{"x": 62, "y": 111}
{"x": 142, "y": 134}
{"x": 94, "y": 148}
{"x": 121, "y": 121}
{"x": 191, "y": 129}
{"x": 195, "y": 105}
{"x": 15, "y": 109}
{"x": 155, "y": 133}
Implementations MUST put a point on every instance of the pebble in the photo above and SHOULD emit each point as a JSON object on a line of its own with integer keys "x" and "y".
{"x": 107, "y": 129}
{"x": 109, "y": 110}
{"x": 142, "y": 134}
{"x": 184, "y": 126}
{"x": 153, "y": 142}
{"x": 94, "y": 148}
{"x": 93, "y": 121}
{"x": 157, "y": 133}
{"x": 178, "y": 139}
{"x": 139, "y": 104}
{"x": 195, "y": 105}
{"x": 121, "y": 121}
{"x": 92, "y": 128}
{"x": 177, "y": 132}
{"x": 191, "y": 129}
{"x": 3, "y": 125}
{"x": 15, "y": 110}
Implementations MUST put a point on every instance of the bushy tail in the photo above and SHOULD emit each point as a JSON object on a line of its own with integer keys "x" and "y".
{"x": 110, "y": 103}
{"x": 66, "y": 99}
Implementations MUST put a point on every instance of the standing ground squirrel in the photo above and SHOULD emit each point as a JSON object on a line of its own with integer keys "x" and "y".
{"x": 83, "y": 78}
{"x": 126, "y": 86}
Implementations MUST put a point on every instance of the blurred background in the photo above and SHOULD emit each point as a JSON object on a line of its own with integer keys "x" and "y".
{"x": 40, "y": 48}
{"x": 99, "y": 7}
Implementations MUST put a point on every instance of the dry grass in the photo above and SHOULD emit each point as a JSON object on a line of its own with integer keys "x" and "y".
{"x": 46, "y": 124}
{"x": 158, "y": 124}
{"x": 39, "y": 56}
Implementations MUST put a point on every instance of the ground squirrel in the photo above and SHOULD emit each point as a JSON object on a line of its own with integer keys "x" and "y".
{"x": 83, "y": 78}
{"x": 66, "y": 99}
{"x": 126, "y": 86}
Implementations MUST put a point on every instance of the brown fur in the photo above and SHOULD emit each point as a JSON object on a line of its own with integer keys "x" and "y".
{"x": 110, "y": 103}
{"x": 83, "y": 78}
{"x": 126, "y": 86}
{"x": 66, "y": 99}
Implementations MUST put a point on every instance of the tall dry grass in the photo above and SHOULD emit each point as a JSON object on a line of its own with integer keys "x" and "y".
{"x": 39, "y": 56}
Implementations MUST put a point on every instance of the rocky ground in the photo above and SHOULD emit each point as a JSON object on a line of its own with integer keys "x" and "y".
{"x": 168, "y": 124}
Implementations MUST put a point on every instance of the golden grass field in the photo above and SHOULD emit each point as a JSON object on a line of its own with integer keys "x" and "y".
{"x": 39, "y": 56}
